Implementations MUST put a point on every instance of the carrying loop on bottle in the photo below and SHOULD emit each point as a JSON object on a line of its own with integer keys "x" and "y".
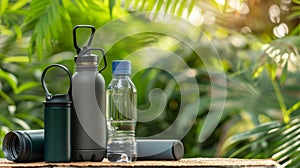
{"x": 103, "y": 54}
{"x": 78, "y": 49}
{"x": 48, "y": 94}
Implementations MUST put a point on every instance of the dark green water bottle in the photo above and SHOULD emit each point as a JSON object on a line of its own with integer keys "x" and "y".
{"x": 24, "y": 145}
{"x": 57, "y": 116}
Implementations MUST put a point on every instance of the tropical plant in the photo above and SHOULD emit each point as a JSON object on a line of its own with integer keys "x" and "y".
{"x": 273, "y": 137}
{"x": 35, "y": 34}
{"x": 259, "y": 83}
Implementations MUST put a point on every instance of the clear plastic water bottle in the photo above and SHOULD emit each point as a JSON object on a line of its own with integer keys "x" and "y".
{"x": 121, "y": 114}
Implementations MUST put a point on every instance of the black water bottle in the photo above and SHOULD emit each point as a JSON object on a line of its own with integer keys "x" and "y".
{"x": 57, "y": 116}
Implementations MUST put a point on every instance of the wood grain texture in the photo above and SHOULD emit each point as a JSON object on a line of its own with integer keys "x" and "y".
{"x": 188, "y": 162}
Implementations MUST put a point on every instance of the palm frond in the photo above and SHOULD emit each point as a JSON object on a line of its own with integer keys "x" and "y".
{"x": 270, "y": 140}
{"x": 176, "y": 7}
{"x": 47, "y": 19}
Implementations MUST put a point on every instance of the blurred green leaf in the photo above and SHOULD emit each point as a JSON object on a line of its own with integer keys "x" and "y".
{"x": 21, "y": 123}
{"x": 28, "y": 117}
{"x": 19, "y": 4}
{"x": 6, "y": 121}
{"x": 49, "y": 19}
{"x": 158, "y": 8}
{"x": 26, "y": 86}
{"x": 284, "y": 73}
{"x": 5, "y": 31}
{"x": 296, "y": 1}
{"x": 16, "y": 59}
{"x": 259, "y": 130}
{"x": 4, "y": 5}
{"x": 6, "y": 97}
{"x": 151, "y": 4}
{"x": 181, "y": 7}
{"x": 111, "y": 6}
{"x": 278, "y": 141}
{"x": 126, "y": 4}
{"x": 143, "y": 4}
{"x": 18, "y": 32}
{"x": 293, "y": 108}
{"x": 191, "y": 6}
{"x": 135, "y": 4}
{"x": 9, "y": 78}
{"x": 168, "y": 3}
{"x": 173, "y": 9}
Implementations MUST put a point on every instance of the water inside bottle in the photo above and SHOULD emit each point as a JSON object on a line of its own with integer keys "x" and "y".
{"x": 121, "y": 145}
{"x": 121, "y": 118}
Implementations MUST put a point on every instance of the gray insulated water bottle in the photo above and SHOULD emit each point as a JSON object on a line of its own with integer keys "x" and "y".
{"x": 88, "y": 132}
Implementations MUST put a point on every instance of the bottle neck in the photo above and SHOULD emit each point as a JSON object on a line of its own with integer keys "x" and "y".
{"x": 121, "y": 76}
{"x": 86, "y": 67}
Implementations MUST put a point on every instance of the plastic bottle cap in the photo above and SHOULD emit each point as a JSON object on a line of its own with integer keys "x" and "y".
{"x": 121, "y": 67}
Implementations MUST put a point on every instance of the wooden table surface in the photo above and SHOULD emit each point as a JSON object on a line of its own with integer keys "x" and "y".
{"x": 188, "y": 162}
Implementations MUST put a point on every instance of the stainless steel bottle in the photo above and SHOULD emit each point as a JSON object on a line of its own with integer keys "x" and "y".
{"x": 88, "y": 125}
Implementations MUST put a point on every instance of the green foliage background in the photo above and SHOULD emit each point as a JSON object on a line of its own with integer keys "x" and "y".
{"x": 262, "y": 72}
